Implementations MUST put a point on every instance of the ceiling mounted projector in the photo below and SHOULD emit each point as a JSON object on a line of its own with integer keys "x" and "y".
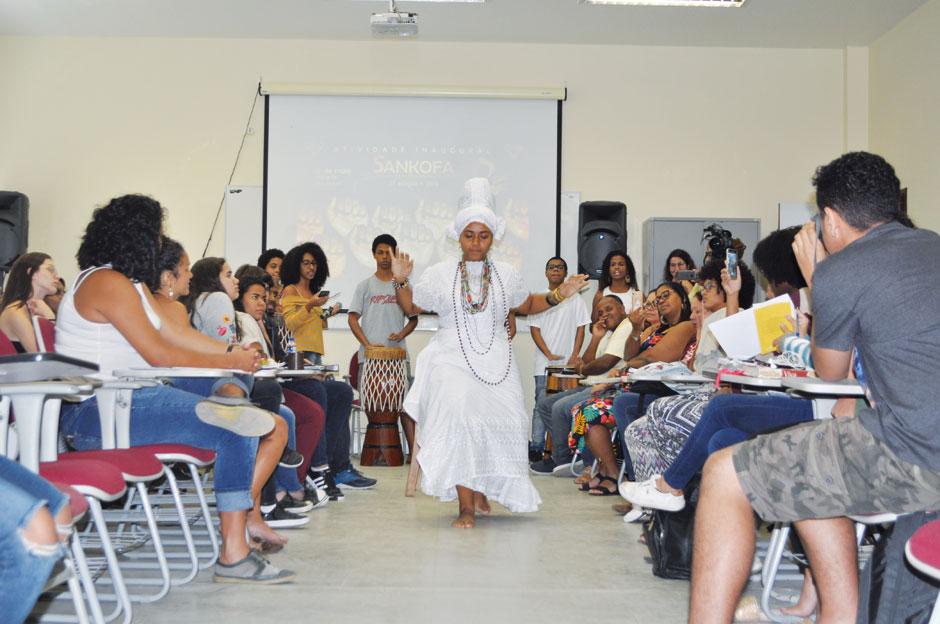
{"x": 394, "y": 23}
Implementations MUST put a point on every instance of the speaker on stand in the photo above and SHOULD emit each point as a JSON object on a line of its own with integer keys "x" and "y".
{"x": 14, "y": 229}
{"x": 602, "y": 228}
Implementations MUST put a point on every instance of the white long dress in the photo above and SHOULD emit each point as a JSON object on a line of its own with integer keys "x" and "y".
{"x": 467, "y": 396}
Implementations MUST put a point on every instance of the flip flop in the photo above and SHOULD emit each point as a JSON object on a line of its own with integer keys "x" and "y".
{"x": 600, "y": 490}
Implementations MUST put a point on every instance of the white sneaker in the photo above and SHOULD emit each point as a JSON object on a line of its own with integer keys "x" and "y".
{"x": 236, "y": 415}
{"x": 637, "y": 514}
{"x": 645, "y": 494}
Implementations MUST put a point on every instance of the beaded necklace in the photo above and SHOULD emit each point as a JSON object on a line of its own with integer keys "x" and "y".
{"x": 466, "y": 296}
{"x": 467, "y": 329}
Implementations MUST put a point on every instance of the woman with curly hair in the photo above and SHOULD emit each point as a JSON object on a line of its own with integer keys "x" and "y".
{"x": 618, "y": 278}
{"x": 303, "y": 274}
{"x": 111, "y": 318}
{"x": 32, "y": 278}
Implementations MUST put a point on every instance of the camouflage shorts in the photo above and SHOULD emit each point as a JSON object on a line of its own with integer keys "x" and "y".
{"x": 830, "y": 468}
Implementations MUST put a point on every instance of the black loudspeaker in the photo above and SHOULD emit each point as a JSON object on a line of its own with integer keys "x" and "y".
{"x": 602, "y": 228}
{"x": 14, "y": 227}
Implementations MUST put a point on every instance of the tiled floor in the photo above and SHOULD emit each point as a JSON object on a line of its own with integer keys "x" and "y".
{"x": 381, "y": 557}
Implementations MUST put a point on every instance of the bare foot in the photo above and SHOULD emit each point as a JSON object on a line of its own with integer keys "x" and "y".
{"x": 265, "y": 533}
{"x": 806, "y": 605}
{"x": 465, "y": 520}
{"x": 481, "y": 503}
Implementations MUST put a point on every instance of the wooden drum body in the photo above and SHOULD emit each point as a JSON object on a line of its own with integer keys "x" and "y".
{"x": 383, "y": 384}
{"x": 560, "y": 379}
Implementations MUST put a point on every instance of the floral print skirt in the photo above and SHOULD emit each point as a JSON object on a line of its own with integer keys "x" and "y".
{"x": 594, "y": 411}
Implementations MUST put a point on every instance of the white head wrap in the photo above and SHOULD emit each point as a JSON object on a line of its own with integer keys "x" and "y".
{"x": 476, "y": 206}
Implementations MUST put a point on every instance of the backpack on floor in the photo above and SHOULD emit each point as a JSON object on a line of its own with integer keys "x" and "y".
{"x": 669, "y": 537}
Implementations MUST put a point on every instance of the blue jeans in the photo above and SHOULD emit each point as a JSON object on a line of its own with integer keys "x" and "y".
{"x": 162, "y": 414}
{"x": 335, "y": 397}
{"x": 626, "y": 409}
{"x": 537, "y": 441}
{"x": 286, "y": 478}
{"x": 732, "y": 418}
{"x": 24, "y": 566}
{"x": 554, "y": 410}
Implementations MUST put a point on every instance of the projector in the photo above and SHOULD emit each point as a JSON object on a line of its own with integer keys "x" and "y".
{"x": 394, "y": 24}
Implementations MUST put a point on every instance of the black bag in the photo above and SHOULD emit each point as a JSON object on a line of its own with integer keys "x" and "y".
{"x": 669, "y": 537}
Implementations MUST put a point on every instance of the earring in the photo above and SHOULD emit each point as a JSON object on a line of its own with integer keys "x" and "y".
{"x": 170, "y": 292}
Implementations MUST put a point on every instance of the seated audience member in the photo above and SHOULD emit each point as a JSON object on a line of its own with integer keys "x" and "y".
{"x": 678, "y": 260}
{"x": 618, "y": 278}
{"x": 375, "y": 318}
{"x": 774, "y": 257}
{"x": 558, "y": 334}
{"x": 270, "y": 261}
{"x": 669, "y": 420}
{"x": 212, "y": 292}
{"x": 718, "y": 305}
{"x": 32, "y": 277}
{"x": 303, "y": 273}
{"x": 111, "y": 318}
{"x": 32, "y": 516}
{"x": 250, "y": 309}
{"x": 886, "y": 458}
{"x": 668, "y": 340}
{"x": 604, "y": 351}
{"x": 55, "y": 299}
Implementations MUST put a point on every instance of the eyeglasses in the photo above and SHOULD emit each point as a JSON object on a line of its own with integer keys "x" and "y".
{"x": 663, "y": 296}
{"x": 307, "y": 263}
{"x": 553, "y": 267}
{"x": 709, "y": 286}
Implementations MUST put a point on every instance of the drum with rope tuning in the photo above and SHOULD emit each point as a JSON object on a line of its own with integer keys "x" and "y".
{"x": 383, "y": 383}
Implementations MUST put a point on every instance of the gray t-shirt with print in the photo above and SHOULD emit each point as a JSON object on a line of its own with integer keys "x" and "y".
{"x": 380, "y": 315}
{"x": 878, "y": 295}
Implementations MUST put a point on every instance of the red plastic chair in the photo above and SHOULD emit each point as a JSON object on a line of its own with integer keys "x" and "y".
{"x": 115, "y": 394}
{"x": 923, "y": 551}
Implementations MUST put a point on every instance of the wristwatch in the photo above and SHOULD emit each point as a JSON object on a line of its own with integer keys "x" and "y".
{"x": 402, "y": 284}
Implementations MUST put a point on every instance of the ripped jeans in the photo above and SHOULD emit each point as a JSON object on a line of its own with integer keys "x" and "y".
{"x": 24, "y": 566}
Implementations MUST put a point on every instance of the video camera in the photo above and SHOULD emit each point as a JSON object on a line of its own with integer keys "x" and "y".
{"x": 719, "y": 240}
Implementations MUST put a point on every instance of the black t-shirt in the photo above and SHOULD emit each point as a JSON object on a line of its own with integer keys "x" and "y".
{"x": 880, "y": 295}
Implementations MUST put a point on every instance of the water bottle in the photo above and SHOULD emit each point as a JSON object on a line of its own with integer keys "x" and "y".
{"x": 295, "y": 361}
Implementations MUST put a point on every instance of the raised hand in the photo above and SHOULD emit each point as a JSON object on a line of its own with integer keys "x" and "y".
{"x": 808, "y": 250}
{"x": 598, "y": 329}
{"x": 730, "y": 285}
{"x": 402, "y": 265}
{"x": 637, "y": 317}
{"x": 572, "y": 285}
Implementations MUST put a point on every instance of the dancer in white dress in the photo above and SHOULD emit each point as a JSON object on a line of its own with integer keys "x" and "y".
{"x": 467, "y": 396}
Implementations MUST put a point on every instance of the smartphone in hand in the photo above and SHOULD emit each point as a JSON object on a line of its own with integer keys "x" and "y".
{"x": 690, "y": 275}
{"x": 323, "y": 293}
{"x": 731, "y": 257}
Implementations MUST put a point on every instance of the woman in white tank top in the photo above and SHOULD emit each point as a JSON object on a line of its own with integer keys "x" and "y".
{"x": 109, "y": 318}
{"x": 618, "y": 278}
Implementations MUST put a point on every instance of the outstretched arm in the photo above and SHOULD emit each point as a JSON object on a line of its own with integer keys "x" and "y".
{"x": 539, "y": 302}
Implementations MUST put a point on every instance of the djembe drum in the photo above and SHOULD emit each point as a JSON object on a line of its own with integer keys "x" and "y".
{"x": 382, "y": 386}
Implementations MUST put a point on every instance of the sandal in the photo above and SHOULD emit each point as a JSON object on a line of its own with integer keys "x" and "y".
{"x": 600, "y": 490}
{"x": 252, "y": 570}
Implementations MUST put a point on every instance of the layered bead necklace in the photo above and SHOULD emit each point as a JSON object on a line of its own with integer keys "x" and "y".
{"x": 466, "y": 327}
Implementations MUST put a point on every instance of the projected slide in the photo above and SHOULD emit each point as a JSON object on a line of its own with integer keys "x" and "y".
{"x": 341, "y": 170}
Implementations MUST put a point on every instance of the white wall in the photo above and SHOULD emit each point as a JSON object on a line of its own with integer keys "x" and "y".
{"x": 670, "y": 131}
{"x": 905, "y": 99}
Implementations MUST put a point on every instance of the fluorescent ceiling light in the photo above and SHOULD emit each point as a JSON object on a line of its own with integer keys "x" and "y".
{"x": 439, "y": 1}
{"x": 674, "y": 3}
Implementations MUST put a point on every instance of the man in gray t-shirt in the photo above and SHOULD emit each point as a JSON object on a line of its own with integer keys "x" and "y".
{"x": 375, "y": 317}
{"x": 872, "y": 291}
